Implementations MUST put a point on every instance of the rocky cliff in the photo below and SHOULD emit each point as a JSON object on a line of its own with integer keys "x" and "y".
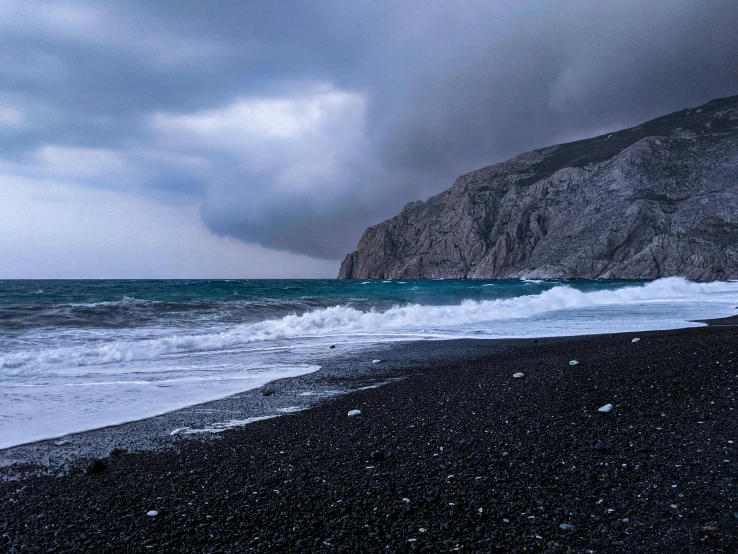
{"x": 655, "y": 200}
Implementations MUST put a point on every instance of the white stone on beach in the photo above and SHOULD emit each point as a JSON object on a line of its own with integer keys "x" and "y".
{"x": 606, "y": 408}
{"x": 636, "y": 340}
{"x": 518, "y": 375}
{"x": 353, "y": 413}
{"x": 574, "y": 362}
{"x": 567, "y": 527}
{"x": 152, "y": 513}
{"x": 377, "y": 361}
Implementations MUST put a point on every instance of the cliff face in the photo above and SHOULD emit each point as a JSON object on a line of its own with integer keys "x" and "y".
{"x": 652, "y": 201}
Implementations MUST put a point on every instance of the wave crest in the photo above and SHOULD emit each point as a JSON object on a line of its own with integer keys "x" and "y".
{"x": 344, "y": 320}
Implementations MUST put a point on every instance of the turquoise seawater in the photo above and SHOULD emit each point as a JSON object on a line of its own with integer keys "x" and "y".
{"x": 76, "y": 355}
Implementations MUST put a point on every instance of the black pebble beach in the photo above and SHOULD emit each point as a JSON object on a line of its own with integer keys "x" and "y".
{"x": 457, "y": 457}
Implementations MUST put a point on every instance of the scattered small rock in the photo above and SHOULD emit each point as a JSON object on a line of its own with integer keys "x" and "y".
{"x": 353, "y": 413}
{"x": 636, "y": 340}
{"x": 518, "y": 375}
{"x": 604, "y": 409}
{"x": 709, "y": 528}
{"x": 377, "y": 361}
{"x": 332, "y": 346}
{"x": 574, "y": 362}
{"x": 152, "y": 513}
{"x": 115, "y": 452}
{"x": 95, "y": 467}
{"x": 377, "y": 455}
{"x": 267, "y": 392}
{"x": 567, "y": 527}
{"x": 600, "y": 447}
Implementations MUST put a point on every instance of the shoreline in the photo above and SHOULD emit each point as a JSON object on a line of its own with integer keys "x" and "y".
{"x": 339, "y": 374}
{"x": 466, "y": 458}
{"x": 118, "y": 421}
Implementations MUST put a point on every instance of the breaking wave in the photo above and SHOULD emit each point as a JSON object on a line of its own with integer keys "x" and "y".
{"x": 344, "y": 320}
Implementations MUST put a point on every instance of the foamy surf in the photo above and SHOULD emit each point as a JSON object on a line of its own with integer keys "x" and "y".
{"x": 445, "y": 320}
{"x": 74, "y": 368}
{"x": 52, "y": 411}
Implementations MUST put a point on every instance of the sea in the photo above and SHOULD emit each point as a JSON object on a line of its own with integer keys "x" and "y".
{"x": 80, "y": 355}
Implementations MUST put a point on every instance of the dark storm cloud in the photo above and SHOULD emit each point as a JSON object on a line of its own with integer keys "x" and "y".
{"x": 299, "y": 124}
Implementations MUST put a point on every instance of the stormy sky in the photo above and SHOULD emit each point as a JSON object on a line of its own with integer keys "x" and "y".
{"x": 259, "y": 139}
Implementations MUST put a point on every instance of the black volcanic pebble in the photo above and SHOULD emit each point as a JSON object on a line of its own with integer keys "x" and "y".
{"x": 267, "y": 392}
{"x": 523, "y": 461}
{"x": 377, "y": 456}
{"x": 115, "y": 452}
{"x": 332, "y": 346}
{"x": 95, "y": 466}
{"x": 600, "y": 447}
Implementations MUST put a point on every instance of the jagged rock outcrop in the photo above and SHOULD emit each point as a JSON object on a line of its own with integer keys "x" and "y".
{"x": 656, "y": 200}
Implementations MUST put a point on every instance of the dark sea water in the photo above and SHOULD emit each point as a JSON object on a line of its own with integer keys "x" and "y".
{"x": 77, "y": 355}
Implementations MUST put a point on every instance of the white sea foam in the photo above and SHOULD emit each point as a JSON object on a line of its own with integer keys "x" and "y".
{"x": 344, "y": 320}
{"x": 70, "y": 381}
{"x": 220, "y": 426}
{"x": 55, "y": 410}
{"x": 291, "y": 409}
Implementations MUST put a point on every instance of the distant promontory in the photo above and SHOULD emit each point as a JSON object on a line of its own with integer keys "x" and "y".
{"x": 655, "y": 200}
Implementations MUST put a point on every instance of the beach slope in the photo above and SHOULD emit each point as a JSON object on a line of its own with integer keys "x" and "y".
{"x": 459, "y": 456}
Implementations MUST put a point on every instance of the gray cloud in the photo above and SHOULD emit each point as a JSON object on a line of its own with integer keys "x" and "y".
{"x": 297, "y": 125}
